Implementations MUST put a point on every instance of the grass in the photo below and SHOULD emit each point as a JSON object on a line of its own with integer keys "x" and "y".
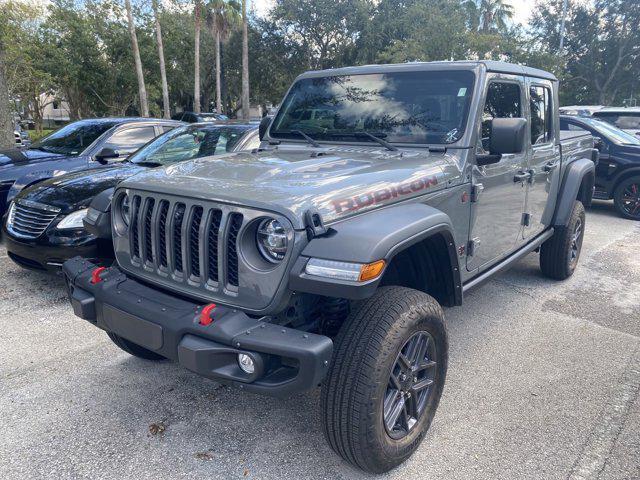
{"x": 34, "y": 135}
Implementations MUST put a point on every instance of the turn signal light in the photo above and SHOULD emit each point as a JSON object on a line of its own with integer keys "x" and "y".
{"x": 370, "y": 271}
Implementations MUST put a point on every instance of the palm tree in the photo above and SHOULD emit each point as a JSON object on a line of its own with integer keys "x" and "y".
{"x": 142, "y": 91}
{"x": 494, "y": 14}
{"x": 487, "y": 15}
{"x": 163, "y": 71}
{"x": 245, "y": 63}
{"x": 222, "y": 16}
{"x": 196, "y": 81}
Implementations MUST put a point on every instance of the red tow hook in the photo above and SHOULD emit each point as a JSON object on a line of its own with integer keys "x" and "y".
{"x": 205, "y": 315}
{"x": 95, "y": 275}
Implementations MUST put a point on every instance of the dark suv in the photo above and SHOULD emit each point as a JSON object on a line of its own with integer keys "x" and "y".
{"x": 78, "y": 146}
{"x": 618, "y": 170}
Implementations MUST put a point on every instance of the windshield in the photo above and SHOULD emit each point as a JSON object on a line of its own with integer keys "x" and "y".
{"x": 612, "y": 133}
{"x": 74, "y": 138}
{"x": 213, "y": 117}
{"x": 626, "y": 120}
{"x": 186, "y": 143}
{"x": 419, "y": 107}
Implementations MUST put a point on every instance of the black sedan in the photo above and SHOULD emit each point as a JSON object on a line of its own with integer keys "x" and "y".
{"x": 44, "y": 225}
{"x": 618, "y": 171}
{"x": 78, "y": 146}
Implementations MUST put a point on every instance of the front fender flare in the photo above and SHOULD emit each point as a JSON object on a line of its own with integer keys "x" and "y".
{"x": 379, "y": 235}
{"x": 571, "y": 183}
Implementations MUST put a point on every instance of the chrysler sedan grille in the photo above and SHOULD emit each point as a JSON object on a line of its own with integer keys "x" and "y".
{"x": 30, "y": 219}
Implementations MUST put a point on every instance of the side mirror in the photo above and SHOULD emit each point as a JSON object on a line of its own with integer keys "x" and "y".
{"x": 598, "y": 143}
{"x": 507, "y": 135}
{"x": 105, "y": 154}
{"x": 264, "y": 126}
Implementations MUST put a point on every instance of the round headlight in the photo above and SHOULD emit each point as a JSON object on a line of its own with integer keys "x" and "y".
{"x": 125, "y": 209}
{"x": 272, "y": 240}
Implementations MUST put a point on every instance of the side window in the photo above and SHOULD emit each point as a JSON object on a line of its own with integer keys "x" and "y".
{"x": 503, "y": 101}
{"x": 540, "y": 106}
{"x": 131, "y": 138}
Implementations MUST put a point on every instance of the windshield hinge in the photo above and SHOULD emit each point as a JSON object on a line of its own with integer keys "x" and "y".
{"x": 313, "y": 224}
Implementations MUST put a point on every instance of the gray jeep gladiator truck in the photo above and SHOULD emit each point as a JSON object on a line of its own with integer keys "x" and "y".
{"x": 379, "y": 195}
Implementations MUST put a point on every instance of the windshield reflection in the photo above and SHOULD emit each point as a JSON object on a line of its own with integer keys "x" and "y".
{"x": 404, "y": 107}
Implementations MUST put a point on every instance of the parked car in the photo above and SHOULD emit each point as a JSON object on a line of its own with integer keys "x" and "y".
{"x": 192, "y": 117}
{"x": 44, "y": 226}
{"x": 22, "y": 138}
{"x": 625, "y": 118}
{"x": 78, "y": 146}
{"x": 580, "y": 110}
{"x": 325, "y": 256}
{"x": 618, "y": 169}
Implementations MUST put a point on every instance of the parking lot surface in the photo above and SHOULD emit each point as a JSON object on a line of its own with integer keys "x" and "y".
{"x": 543, "y": 383}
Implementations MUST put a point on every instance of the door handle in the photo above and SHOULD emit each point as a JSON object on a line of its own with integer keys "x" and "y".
{"x": 522, "y": 177}
{"x": 550, "y": 167}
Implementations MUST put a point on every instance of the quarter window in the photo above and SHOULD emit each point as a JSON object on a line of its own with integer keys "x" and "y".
{"x": 503, "y": 101}
{"x": 540, "y": 105}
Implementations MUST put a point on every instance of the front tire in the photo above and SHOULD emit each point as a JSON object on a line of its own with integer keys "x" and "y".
{"x": 386, "y": 378}
{"x": 133, "y": 348}
{"x": 560, "y": 254}
{"x": 626, "y": 198}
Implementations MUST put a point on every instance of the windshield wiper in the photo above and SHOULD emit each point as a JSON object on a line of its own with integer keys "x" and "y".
{"x": 382, "y": 142}
{"x": 306, "y": 137}
{"x": 148, "y": 164}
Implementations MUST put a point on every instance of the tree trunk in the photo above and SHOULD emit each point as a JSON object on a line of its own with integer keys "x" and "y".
{"x": 163, "y": 72}
{"x": 7, "y": 139}
{"x": 218, "y": 75}
{"x": 142, "y": 91}
{"x": 196, "y": 81}
{"x": 245, "y": 63}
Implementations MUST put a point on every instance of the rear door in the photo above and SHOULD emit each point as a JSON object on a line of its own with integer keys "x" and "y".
{"x": 496, "y": 219}
{"x": 544, "y": 160}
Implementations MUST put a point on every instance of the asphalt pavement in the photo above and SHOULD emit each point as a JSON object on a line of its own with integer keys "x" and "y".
{"x": 543, "y": 383}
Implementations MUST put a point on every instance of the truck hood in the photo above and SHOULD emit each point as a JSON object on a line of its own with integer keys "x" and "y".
{"x": 13, "y": 156}
{"x": 74, "y": 190}
{"x": 336, "y": 181}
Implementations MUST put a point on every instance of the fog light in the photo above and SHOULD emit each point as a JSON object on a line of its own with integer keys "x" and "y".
{"x": 246, "y": 363}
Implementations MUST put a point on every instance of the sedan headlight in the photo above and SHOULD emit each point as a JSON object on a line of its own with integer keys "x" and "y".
{"x": 73, "y": 220}
{"x": 271, "y": 238}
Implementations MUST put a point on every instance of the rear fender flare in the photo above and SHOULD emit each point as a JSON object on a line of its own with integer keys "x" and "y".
{"x": 571, "y": 183}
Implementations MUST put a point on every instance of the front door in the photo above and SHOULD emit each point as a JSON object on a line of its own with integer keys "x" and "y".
{"x": 544, "y": 160}
{"x": 496, "y": 215}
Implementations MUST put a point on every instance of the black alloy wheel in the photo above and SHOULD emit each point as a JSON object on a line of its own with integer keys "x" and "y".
{"x": 410, "y": 385}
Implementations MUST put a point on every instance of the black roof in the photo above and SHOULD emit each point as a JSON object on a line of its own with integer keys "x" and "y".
{"x": 123, "y": 120}
{"x": 490, "y": 65}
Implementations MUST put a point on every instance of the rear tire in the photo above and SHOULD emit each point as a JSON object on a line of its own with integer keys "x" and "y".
{"x": 626, "y": 198}
{"x": 133, "y": 348}
{"x": 560, "y": 254}
{"x": 386, "y": 378}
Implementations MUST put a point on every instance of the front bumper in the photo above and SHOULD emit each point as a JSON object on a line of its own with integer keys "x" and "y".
{"x": 287, "y": 360}
{"x": 43, "y": 254}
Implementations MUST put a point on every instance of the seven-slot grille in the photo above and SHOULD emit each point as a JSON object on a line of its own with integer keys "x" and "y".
{"x": 29, "y": 219}
{"x": 182, "y": 241}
